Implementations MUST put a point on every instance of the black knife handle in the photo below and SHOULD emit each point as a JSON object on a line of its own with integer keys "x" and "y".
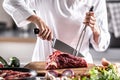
{"x": 36, "y": 31}
{"x": 91, "y": 9}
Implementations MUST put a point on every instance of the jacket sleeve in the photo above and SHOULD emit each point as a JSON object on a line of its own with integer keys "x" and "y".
{"x": 18, "y": 10}
{"x": 102, "y": 23}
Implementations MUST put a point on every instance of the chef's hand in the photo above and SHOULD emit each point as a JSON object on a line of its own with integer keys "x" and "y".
{"x": 105, "y": 62}
{"x": 45, "y": 32}
{"x": 90, "y": 21}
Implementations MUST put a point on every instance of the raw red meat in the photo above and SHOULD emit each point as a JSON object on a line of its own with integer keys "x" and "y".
{"x": 13, "y": 75}
{"x": 1, "y": 65}
{"x": 60, "y": 60}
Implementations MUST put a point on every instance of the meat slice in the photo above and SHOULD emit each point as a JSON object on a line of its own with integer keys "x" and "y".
{"x": 13, "y": 75}
{"x": 60, "y": 60}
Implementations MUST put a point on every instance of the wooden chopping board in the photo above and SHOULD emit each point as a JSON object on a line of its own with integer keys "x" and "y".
{"x": 40, "y": 68}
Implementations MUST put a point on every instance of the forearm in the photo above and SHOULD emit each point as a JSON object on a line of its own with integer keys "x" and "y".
{"x": 96, "y": 33}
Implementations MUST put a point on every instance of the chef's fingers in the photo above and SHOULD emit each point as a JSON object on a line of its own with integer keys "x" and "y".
{"x": 41, "y": 26}
{"x": 43, "y": 29}
{"x": 90, "y": 23}
{"x": 105, "y": 62}
{"x": 43, "y": 34}
{"x": 89, "y": 16}
{"x": 50, "y": 36}
{"x": 46, "y": 36}
{"x": 90, "y": 19}
{"x": 90, "y": 13}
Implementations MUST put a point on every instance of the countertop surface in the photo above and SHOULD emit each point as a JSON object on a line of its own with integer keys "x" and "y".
{"x": 17, "y": 39}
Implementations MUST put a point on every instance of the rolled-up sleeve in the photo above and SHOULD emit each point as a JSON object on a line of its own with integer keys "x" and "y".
{"x": 102, "y": 23}
{"x": 19, "y": 11}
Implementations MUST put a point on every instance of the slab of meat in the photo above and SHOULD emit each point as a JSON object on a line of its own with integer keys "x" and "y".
{"x": 60, "y": 60}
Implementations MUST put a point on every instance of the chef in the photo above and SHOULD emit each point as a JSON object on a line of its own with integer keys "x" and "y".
{"x": 65, "y": 20}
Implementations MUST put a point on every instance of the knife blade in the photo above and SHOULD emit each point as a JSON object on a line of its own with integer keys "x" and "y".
{"x": 61, "y": 46}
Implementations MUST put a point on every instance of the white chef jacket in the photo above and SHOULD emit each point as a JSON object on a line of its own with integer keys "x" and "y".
{"x": 65, "y": 18}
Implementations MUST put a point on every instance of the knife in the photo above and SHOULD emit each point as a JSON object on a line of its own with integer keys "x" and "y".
{"x": 61, "y": 46}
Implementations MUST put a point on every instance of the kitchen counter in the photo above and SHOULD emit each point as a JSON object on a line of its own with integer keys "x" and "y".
{"x": 17, "y": 39}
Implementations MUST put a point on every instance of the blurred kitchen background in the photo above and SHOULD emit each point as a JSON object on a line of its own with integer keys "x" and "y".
{"x": 20, "y": 42}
